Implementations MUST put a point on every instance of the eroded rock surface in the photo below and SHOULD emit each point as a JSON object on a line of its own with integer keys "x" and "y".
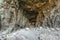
{"x": 31, "y": 20}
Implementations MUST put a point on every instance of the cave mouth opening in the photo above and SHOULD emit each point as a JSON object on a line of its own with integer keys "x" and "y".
{"x": 32, "y": 9}
{"x": 31, "y": 16}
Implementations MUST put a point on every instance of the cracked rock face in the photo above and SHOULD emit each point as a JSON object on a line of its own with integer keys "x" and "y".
{"x": 21, "y": 14}
{"x": 30, "y": 20}
{"x": 27, "y": 12}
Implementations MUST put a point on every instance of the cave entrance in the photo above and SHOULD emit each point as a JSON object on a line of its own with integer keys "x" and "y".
{"x": 31, "y": 16}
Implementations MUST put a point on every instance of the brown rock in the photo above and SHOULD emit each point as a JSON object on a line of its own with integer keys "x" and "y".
{"x": 38, "y": 6}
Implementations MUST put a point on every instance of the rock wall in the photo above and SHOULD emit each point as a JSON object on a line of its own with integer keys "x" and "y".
{"x": 23, "y": 13}
{"x": 18, "y": 19}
